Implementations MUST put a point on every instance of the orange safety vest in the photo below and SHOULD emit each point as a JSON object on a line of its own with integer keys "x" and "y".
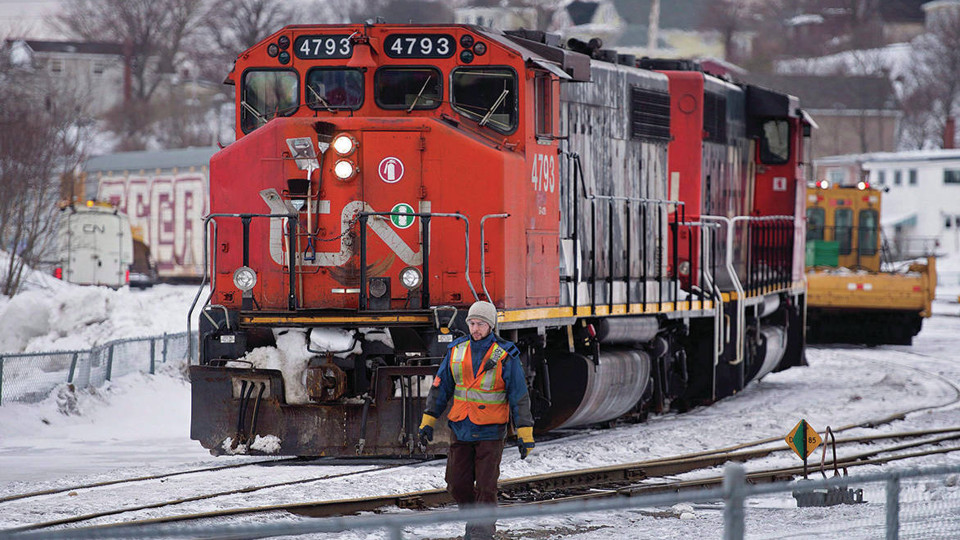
{"x": 483, "y": 399}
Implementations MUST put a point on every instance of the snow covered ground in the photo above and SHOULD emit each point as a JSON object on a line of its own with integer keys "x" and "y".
{"x": 139, "y": 424}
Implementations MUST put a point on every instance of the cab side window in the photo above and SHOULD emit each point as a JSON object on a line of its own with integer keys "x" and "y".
{"x": 775, "y": 142}
{"x": 487, "y": 95}
{"x": 544, "y": 105}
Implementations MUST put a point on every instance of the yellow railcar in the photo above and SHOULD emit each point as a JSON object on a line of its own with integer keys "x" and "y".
{"x": 852, "y": 296}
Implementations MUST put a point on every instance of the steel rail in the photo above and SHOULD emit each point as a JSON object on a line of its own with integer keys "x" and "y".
{"x": 613, "y": 480}
{"x": 161, "y": 504}
{"x": 54, "y": 491}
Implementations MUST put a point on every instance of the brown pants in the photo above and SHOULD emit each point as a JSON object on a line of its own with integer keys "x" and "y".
{"x": 473, "y": 469}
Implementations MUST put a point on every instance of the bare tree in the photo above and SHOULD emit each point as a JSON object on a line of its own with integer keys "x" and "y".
{"x": 40, "y": 138}
{"x": 932, "y": 80}
{"x": 233, "y": 26}
{"x": 728, "y": 17}
{"x": 154, "y": 34}
{"x": 154, "y": 31}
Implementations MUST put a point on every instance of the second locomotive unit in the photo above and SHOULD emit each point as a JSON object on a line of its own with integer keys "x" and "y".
{"x": 638, "y": 224}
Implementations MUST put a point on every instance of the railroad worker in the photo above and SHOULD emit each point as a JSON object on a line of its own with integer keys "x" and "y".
{"x": 484, "y": 376}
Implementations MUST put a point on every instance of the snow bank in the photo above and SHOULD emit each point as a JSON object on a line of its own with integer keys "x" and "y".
{"x": 76, "y": 317}
{"x": 290, "y": 357}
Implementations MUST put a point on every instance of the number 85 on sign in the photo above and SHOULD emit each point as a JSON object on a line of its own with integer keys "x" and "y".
{"x": 803, "y": 439}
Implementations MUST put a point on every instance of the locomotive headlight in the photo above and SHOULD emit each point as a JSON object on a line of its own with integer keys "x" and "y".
{"x": 685, "y": 268}
{"x": 344, "y": 169}
{"x": 244, "y": 278}
{"x": 344, "y": 145}
{"x": 411, "y": 277}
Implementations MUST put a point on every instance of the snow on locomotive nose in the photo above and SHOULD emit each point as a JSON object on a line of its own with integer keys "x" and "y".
{"x": 387, "y": 176}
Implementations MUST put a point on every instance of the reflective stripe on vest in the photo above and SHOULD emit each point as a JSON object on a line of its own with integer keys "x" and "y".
{"x": 483, "y": 398}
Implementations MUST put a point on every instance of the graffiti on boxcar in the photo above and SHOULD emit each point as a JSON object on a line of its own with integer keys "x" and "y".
{"x": 169, "y": 209}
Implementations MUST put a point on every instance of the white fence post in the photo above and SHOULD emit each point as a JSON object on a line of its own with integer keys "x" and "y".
{"x": 893, "y": 508}
{"x": 734, "y": 489}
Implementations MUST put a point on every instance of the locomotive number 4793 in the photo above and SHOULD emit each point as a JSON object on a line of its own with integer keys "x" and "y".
{"x": 419, "y": 45}
{"x": 543, "y": 173}
{"x": 328, "y": 46}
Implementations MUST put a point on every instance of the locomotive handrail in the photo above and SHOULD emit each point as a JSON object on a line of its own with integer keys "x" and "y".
{"x": 483, "y": 253}
{"x": 246, "y": 256}
{"x": 679, "y": 211}
{"x": 425, "y": 242}
{"x": 738, "y": 287}
{"x": 715, "y": 295}
{"x": 769, "y": 267}
{"x": 735, "y": 279}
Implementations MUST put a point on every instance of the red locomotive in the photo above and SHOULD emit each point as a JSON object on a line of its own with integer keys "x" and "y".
{"x": 637, "y": 224}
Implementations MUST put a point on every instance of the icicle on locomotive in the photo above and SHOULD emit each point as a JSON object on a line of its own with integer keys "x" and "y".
{"x": 638, "y": 226}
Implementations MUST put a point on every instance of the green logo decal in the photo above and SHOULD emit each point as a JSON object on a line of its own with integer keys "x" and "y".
{"x": 402, "y": 222}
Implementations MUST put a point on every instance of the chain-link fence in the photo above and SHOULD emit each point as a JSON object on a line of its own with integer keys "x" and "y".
{"x": 30, "y": 377}
{"x": 893, "y": 504}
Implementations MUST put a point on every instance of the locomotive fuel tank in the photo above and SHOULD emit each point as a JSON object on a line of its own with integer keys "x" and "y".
{"x": 587, "y": 392}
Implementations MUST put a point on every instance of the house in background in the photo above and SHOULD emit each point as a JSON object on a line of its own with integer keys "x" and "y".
{"x": 921, "y": 206}
{"x": 586, "y": 19}
{"x": 95, "y": 70}
{"x": 855, "y": 114}
{"x": 501, "y": 18}
{"x": 682, "y": 30}
{"x": 903, "y": 20}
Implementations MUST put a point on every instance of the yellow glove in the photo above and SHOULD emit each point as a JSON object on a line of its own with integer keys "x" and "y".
{"x": 426, "y": 428}
{"x": 525, "y": 441}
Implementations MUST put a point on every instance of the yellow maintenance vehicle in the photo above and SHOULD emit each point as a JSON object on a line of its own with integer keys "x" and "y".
{"x": 855, "y": 293}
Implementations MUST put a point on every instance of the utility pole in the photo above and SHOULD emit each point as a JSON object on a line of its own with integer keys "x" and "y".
{"x": 653, "y": 29}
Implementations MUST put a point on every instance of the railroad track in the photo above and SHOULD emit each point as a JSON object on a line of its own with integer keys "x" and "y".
{"x": 597, "y": 482}
{"x": 172, "y": 502}
{"x": 119, "y": 481}
{"x": 609, "y": 481}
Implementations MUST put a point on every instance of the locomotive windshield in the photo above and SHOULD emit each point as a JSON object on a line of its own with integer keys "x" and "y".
{"x": 488, "y": 95}
{"x": 334, "y": 88}
{"x": 408, "y": 88}
{"x": 265, "y": 94}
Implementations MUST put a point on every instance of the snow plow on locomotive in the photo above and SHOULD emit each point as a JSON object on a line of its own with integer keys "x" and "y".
{"x": 639, "y": 229}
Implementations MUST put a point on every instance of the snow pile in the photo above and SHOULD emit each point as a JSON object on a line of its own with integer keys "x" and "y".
{"x": 892, "y": 59}
{"x": 290, "y": 357}
{"x": 74, "y": 317}
{"x": 122, "y": 423}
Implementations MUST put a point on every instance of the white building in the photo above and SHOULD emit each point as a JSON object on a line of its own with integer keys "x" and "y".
{"x": 921, "y": 206}
{"x": 94, "y": 72}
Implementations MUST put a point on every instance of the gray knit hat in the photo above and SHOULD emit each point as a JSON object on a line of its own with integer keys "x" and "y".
{"x": 483, "y": 311}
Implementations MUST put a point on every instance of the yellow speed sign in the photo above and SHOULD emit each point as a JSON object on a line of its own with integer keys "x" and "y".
{"x": 803, "y": 439}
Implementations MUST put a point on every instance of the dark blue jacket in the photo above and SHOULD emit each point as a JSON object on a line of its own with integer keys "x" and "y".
{"x": 513, "y": 377}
